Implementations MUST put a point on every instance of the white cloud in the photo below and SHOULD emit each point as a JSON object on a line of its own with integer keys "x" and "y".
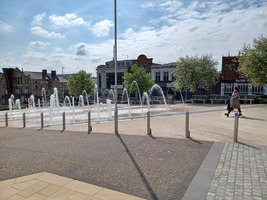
{"x": 37, "y": 30}
{"x": 5, "y": 27}
{"x": 37, "y": 19}
{"x": 35, "y": 56}
{"x": 102, "y": 28}
{"x": 68, "y": 20}
{"x": 81, "y": 49}
{"x": 189, "y": 32}
{"x": 39, "y": 44}
{"x": 148, "y": 4}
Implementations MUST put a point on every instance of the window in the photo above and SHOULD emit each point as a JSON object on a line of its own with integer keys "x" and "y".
{"x": 120, "y": 78}
{"x": 26, "y": 90}
{"x": 228, "y": 87}
{"x": 157, "y": 76}
{"x": 166, "y": 76}
{"x": 99, "y": 80}
{"x": 110, "y": 80}
{"x": 257, "y": 89}
{"x": 243, "y": 88}
{"x": 230, "y": 66}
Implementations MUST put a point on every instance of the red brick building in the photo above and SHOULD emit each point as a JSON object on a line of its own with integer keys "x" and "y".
{"x": 230, "y": 78}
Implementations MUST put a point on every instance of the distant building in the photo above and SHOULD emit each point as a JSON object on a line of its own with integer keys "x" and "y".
{"x": 163, "y": 75}
{"x": 23, "y": 84}
{"x": 230, "y": 78}
{"x": 106, "y": 73}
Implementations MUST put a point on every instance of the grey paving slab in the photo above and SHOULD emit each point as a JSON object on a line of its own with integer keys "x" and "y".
{"x": 200, "y": 185}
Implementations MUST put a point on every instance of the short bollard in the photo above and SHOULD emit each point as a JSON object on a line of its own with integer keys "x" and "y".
{"x": 6, "y": 119}
{"x": 89, "y": 123}
{"x": 236, "y": 127}
{"x": 24, "y": 120}
{"x": 187, "y": 132}
{"x": 42, "y": 120}
{"x": 149, "y": 132}
{"x": 64, "y": 121}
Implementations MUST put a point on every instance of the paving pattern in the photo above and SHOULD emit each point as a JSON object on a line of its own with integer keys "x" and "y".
{"x": 241, "y": 173}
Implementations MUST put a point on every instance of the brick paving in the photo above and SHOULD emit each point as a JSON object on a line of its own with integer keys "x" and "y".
{"x": 240, "y": 174}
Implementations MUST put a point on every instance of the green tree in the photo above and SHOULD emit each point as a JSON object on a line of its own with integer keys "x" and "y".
{"x": 192, "y": 73}
{"x": 142, "y": 78}
{"x": 79, "y": 82}
{"x": 253, "y": 61}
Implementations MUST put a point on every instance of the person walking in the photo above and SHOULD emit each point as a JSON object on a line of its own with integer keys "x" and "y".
{"x": 234, "y": 102}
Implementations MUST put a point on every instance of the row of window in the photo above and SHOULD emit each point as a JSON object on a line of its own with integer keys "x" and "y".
{"x": 110, "y": 77}
{"x": 243, "y": 88}
{"x": 19, "y": 80}
{"x": 165, "y": 76}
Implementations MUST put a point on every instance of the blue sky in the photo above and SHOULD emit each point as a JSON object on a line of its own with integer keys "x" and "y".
{"x": 52, "y": 34}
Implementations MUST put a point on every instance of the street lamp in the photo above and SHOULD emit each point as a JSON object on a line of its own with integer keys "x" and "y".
{"x": 63, "y": 84}
{"x": 115, "y": 62}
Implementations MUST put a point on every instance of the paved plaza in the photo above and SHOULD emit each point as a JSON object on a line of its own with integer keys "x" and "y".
{"x": 51, "y": 164}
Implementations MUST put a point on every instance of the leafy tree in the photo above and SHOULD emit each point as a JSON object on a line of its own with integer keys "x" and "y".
{"x": 192, "y": 73}
{"x": 253, "y": 61}
{"x": 79, "y": 82}
{"x": 142, "y": 78}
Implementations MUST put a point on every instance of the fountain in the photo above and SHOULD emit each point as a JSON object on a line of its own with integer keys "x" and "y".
{"x": 11, "y": 102}
{"x": 31, "y": 102}
{"x": 158, "y": 88}
{"x": 140, "y": 99}
{"x": 99, "y": 112}
{"x": 67, "y": 101}
{"x": 182, "y": 98}
{"x": 128, "y": 100}
{"x": 146, "y": 99}
{"x": 96, "y": 97}
{"x": 109, "y": 109}
{"x": 81, "y": 101}
{"x": 43, "y": 94}
{"x": 18, "y": 104}
{"x": 85, "y": 96}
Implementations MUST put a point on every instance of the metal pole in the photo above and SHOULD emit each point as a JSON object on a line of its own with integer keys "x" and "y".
{"x": 64, "y": 121}
{"x": 236, "y": 127}
{"x": 89, "y": 123}
{"x": 42, "y": 120}
{"x": 115, "y": 62}
{"x": 24, "y": 120}
{"x": 187, "y": 132}
{"x": 149, "y": 132}
{"x": 6, "y": 119}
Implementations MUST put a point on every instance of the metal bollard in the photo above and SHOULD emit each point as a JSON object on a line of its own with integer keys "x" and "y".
{"x": 6, "y": 119}
{"x": 42, "y": 120}
{"x": 24, "y": 120}
{"x": 236, "y": 127}
{"x": 149, "y": 132}
{"x": 89, "y": 123}
{"x": 64, "y": 121}
{"x": 187, "y": 132}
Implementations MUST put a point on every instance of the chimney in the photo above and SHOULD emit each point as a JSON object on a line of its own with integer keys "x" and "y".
{"x": 53, "y": 75}
{"x": 44, "y": 74}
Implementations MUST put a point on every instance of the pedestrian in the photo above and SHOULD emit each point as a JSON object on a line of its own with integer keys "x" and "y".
{"x": 234, "y": 102}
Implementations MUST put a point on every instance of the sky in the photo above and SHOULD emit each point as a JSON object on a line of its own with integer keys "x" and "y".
{"x": 71, "y": 35}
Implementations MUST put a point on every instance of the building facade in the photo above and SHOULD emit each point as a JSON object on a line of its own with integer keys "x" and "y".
{"x": 23, "y": 84}
{"x": 106, "y": 73}
{"x": 230, "y": 78}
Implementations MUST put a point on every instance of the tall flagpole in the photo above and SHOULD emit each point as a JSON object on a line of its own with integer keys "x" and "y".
{"x": 115, "y": 62}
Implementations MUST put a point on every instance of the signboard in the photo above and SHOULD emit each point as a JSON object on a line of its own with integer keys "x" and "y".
{"x": 118, "y": 86}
